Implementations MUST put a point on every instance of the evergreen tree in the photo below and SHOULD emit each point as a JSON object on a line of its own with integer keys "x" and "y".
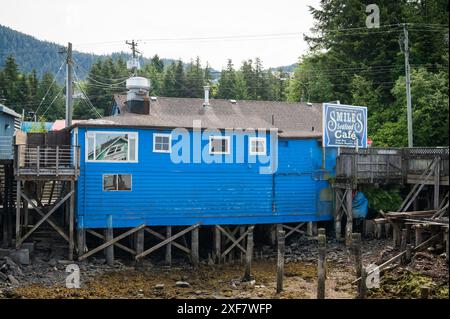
{"x": 227, "y": 84}
{"x": 157, "y": 63}
{"x": 194, "y": 79}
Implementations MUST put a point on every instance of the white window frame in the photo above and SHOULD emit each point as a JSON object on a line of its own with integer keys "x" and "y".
{"x": 257, "y": 139}
{"x": 117, "y": 190}
{"x": 226, "y": 138}
{"x": 155, "y": 135}
{"x": 131, "y": 135}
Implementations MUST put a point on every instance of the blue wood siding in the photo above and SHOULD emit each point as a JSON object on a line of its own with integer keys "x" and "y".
{"x": 165, "y": 193}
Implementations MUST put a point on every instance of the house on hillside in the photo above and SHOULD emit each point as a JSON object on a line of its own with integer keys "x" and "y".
{"x": 182, "y": 161}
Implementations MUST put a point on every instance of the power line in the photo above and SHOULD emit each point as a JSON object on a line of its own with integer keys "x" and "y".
{"x": 56, "y": 96}
{"x": 51, "y": 85}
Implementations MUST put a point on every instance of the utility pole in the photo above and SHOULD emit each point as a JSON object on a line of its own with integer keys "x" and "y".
{"x": 134, "y": 65}
{"x": 408, "y": 86}
{"x": 69, "y": 83}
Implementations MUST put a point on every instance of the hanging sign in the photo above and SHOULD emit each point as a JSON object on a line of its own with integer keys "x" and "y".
{"x": 344, "y": 125}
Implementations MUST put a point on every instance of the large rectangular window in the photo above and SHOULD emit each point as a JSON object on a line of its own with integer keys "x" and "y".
{"x": 219, "y": 145}
{"x": 162, "y": 143}
{"x": 111, "y": 147}
{"x": 257, "y": 146}
{"x": 117, "y": 182}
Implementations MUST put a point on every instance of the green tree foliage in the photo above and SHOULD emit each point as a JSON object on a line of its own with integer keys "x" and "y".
{"x": 310, "y": 83}
{"x": 430, "y": 111}
{"x": 366, "y": 66}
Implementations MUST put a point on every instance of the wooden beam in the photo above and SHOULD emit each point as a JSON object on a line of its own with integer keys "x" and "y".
{"x": 38, "y": 210}
{"x": 173, "y": 243}
{"x": 321, "y": 266}
{"x": 233, "y": 240}
{"x": 18, "y": 202}
{"x": 294, "y": 229}
{"x": 71, "y": 220}
{"x": 194, "y": 247}
{"x": 44, "y": 218}
{"x": 118, "y": 245}
{"x": 280, "y": 260}
{"x": 169, "y": 246}
{"x": 139, "y": 243}
{"x": 249, "y": 254}
{"x": 109, "y": 235}
{"x": 167, "y": 240}
{"x": 217, "y": 244}
{"x": 111, "y": 242}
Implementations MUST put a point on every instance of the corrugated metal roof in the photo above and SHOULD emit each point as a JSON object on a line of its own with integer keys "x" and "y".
{"x": 8, "y": 111}
{"x": 292, "y": 119}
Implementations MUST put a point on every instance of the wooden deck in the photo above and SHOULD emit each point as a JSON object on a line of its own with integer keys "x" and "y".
{"x": 41, "y": 162}
{"x": 390, "y": 166}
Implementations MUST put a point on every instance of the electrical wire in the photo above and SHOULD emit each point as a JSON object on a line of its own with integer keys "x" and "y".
{"x": 51, "y": 85}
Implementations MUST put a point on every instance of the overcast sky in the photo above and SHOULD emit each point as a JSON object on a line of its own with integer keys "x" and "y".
{"x": 103, "y": 26}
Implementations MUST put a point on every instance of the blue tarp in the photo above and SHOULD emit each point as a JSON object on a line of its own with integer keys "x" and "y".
{"x": 360, "y": 205}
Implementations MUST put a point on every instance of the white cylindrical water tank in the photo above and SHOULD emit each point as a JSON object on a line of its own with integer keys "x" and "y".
{"x": 138, "y": 83}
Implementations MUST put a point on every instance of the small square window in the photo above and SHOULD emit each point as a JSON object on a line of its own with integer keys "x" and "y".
{"x": 162, "y": 143}
{"x": 219, "y": 145}
{"x": 257, "y": 146}
{"x": 117, "y": 182}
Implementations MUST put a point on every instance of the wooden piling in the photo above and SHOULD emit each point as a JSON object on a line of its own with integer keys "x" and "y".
{"x": 403, "y": 243}
{"x": 249, "y": 254}
{"x": 109, "y": 235}
{"x": 280, "y": 260}
{"x": 362, "y": 291}
{"x": 349, "y": 225}
{"x": 418, "y": 235}
{"x": 194, "y": 247}
{"x": 424, "y": 292}
{"x": 18, "y": 201}
{"x": 321, "y": 265}
{"x": 217, "y": 245}
{"x": 168, "y": 256}
{"x": 356, "y": 247}
{"x": 139, "y": 246}
{"x": 71, "y": 220}
{"x": 408, "y": 254}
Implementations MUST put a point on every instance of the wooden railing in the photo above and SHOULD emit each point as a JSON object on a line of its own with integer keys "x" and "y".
{"x": 374, "y": 165}
{"x": 44, "y": 160}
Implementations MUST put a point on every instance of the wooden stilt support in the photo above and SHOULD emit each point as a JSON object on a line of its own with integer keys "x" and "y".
{"x": 356, "y": 247}
{"x": 249, "y": 254}
{"x": 280, "y": 260}
{"x": 194, "y": 247}
{"x": 168, "y": 246}
{"x": 139, "y": 246}
{"x": 403, "y": 245}
{"x": 217, "y": 245}
{"x": 349, "y": 225}
{"x": 241, "y": 233}
{"x": 437, "y": 172}
{"x": 362, "y": 291}
{"x": 18, "y": 202}
{"x": 321, "y": 265}
{"x": 338, "y": 214}
{"x": 109, "y": 235}
{"x": 71, "y": 220}
{"x": 418, "y": 235}
{"x": 408, "y": 254}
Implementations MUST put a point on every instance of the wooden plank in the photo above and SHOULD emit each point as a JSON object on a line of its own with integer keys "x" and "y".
{"x": 294, "y": 229}
{"x": 194, "y": 247}
{"x": 71, "y": 220}
{"x": 168, "y": 256}
{"x": 109, "y": 235}
{"x": 167, "y": 240}
{"x": 111, "y": 242}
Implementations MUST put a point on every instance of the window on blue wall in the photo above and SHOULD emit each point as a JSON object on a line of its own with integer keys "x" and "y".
{"x": 257, "y": 146}
{"x": 111, "y": 147}
{"x": 117, "y": 182}
{"x": 219, "y": 145}
{"x": 162, "y": 143}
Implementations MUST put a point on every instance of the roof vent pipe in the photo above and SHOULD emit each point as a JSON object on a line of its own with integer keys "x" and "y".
{"x": 206, "y": 102}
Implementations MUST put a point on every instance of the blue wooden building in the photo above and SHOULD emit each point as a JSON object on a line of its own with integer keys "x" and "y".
{"x": 9, "y": 122}
{"x": 162, "y": 161}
